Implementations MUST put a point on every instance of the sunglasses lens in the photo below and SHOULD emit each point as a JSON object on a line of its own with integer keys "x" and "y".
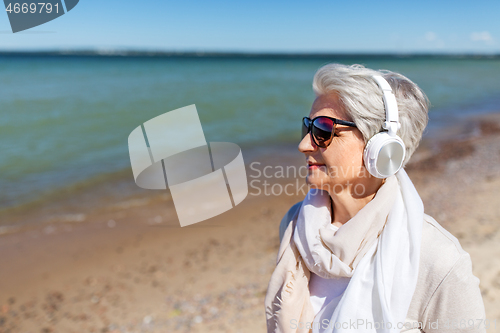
{"x": 305, "y": 126}
{"x": 322, "y": 131}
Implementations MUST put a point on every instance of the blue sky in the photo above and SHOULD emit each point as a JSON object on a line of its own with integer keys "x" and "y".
{"x": 268, "y": 26}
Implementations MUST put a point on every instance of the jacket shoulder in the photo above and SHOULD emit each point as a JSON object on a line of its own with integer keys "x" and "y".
{"x": 446, "y": 287}
{"x": 440, "y": 250}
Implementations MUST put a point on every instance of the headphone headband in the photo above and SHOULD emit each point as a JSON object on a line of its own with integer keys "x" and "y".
{"x": 391, "y": 106}
{"x": 385, "y": 152}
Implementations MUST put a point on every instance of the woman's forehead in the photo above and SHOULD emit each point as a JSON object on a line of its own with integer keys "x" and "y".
{"x": 328, "y": 105}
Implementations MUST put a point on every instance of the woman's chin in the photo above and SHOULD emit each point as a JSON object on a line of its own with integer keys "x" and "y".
{"x": 315, "y": 182}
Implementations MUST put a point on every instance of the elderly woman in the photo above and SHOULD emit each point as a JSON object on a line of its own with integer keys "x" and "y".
{"x": 358, "y": 253}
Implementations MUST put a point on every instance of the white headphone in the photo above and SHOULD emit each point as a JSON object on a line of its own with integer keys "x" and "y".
{"x": 385, "y": 151}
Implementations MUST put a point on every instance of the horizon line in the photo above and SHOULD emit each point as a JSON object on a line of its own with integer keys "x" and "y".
{"x": 239, "y": 54}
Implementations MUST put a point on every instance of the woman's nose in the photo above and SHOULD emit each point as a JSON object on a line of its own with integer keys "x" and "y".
{"x": 307, "y": 144}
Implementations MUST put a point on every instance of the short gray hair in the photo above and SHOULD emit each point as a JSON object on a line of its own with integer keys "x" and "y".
{"x": 362, "y": 101}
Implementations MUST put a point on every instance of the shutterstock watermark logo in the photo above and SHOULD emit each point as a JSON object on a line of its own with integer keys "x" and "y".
{"x": 26, "y": 14}
{"x": 205, "y": 179}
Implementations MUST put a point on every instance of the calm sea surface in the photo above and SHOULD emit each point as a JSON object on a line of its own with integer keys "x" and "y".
{"x": 66, "y": 120}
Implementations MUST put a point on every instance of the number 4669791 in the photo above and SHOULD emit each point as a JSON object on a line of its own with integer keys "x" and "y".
{"x": 32, "y": 8}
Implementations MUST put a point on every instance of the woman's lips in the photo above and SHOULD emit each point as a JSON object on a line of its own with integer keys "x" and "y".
{"x": 314, "y": 165}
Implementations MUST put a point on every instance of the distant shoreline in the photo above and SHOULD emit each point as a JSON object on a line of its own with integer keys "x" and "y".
{"x": 241, "y": 55}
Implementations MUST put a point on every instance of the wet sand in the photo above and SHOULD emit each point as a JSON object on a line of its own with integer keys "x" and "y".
{"x": 126, "y": 266}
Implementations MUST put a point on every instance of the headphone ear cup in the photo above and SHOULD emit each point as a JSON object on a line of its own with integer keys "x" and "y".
{"x": 366, "y": 153}
{"x": 384, "y": 155}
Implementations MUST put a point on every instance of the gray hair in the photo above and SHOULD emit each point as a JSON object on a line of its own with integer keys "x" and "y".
{"x": 362, "y": 101}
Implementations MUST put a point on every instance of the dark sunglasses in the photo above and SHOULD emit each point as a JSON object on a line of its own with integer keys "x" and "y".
{"x": 322, "y": 129}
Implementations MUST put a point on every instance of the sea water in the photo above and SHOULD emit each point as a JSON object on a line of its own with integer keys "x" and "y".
{"x": 65, "y": 120}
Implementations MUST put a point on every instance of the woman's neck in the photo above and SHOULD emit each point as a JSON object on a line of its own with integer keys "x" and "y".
{"x": 346, "y": 205}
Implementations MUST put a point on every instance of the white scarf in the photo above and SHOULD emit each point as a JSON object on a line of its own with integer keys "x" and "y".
{"x": 382, "y": 284}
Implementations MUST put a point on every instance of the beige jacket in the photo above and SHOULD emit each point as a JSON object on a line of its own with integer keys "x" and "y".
{"x": 447, "y": 296}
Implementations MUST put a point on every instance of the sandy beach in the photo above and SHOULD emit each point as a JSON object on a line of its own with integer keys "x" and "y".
{"x": 125, "y": 265}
